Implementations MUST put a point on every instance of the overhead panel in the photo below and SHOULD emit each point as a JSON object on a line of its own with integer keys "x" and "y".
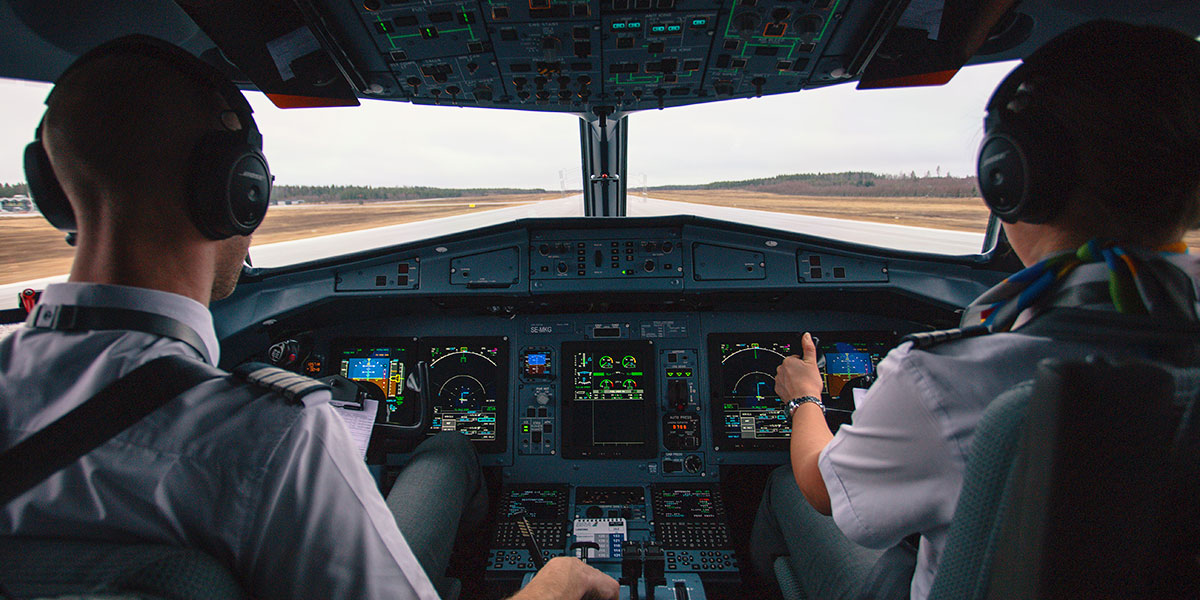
{"x": 610, "y": 56}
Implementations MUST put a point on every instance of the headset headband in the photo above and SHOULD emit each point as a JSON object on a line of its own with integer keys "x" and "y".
{"x": 184, "y": 63}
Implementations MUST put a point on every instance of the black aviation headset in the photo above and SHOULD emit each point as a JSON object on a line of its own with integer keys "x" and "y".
{"x": 229, "y": 182}
{"x": 1025, "y": 164}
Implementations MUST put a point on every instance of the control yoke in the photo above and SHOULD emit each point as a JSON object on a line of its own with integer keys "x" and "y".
{"x": 418, "y": 381}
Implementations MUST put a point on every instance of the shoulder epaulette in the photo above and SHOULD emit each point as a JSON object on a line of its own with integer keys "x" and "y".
{"x": 290, "y": 385}
{"x": 927, "y": 339}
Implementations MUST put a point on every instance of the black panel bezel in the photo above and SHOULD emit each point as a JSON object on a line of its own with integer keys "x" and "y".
{"x": 408, "y": 344}
{"x": 500, "y": 445}
{"x": 571, "y": 441}
{"x": 715, "y": 382}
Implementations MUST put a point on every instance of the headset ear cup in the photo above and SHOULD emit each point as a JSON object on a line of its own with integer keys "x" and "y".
{"x": 45, "y": 190}
{"x": 230, "y": 186}
{"x": 1021, "y": 176}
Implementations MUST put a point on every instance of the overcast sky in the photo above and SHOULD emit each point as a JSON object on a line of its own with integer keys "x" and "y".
{"x": 393, "y": 143}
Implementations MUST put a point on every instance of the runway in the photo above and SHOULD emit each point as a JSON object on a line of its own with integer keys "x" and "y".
{"x": 874, "y": 234}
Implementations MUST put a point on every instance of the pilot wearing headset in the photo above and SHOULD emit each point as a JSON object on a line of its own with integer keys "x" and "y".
{"x": 153, "y": 158}
{"x": 1091, "y": 158}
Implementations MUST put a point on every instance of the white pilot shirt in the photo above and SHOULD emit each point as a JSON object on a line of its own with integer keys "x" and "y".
{"x": 271, "y": 487}
{"x": 898, "y": 468}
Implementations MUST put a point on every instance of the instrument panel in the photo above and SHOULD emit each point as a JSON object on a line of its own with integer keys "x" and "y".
{"x": 564, "y": 351}
{"x": 664, "y": 393}
{"x": 617, "y": 379}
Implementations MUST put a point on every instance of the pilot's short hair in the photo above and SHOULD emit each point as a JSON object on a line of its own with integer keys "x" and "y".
{"x": 1129, "y": 98}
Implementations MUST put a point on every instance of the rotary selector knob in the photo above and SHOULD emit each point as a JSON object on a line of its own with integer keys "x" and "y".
{"x": 692, "y": 464}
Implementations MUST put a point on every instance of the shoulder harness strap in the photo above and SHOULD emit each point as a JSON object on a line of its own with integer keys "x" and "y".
{"x": 290, "y": 385}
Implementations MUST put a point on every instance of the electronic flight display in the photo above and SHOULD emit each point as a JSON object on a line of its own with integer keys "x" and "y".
{"x": 609, "y": 400}
{"x": 381, "y": 364}
{"x": 751, "y": 416}
{"x": 468, "y": 388}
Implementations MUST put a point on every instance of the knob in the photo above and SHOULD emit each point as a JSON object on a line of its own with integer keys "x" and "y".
{"x": 648, "y": 266}
{"x": 809, "y": 24}
{"x": 692, "y": 464}
{"x": 746, "y": 22}
{"x": 562, "y": 267}
{"x": 594, "y": 512}
{"x": 483, "y": 93}
{"x": 542, "y": 398}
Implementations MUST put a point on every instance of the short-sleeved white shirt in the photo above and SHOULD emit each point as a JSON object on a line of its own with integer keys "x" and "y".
{"x": 898, "y": 469}
{"x": 276, "y": 489}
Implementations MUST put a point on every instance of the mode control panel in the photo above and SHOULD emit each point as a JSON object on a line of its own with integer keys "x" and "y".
{"x": 606, "y": 259}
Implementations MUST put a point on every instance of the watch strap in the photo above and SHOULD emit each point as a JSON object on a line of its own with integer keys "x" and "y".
{"x": 796, "y": 402}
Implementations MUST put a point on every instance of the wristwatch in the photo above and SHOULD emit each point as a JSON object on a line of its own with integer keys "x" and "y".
{"x": 794, "y": 404}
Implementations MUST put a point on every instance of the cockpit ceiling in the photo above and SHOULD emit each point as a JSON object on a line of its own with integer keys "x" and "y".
{"x": 578, "y": 56}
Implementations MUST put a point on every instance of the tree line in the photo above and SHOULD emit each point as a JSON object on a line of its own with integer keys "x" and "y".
{"x": 8, "y": 190}
{"x": 366, "y": 193}
{"x": 850, "y": 183}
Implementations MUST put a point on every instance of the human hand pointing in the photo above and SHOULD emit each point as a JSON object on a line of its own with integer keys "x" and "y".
{"x": 796, "y": 377}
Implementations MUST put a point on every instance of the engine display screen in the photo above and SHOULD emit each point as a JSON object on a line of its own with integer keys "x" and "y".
{"x": 468, "y": 388}
{"x": 381, "y": 365}
{"x": 609, "y": 400}
{"x": 742, "y": 366}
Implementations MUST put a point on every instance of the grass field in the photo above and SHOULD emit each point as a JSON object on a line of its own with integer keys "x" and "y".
{"x": 30, "y": 248}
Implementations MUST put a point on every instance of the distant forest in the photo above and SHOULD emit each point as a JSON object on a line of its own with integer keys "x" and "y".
{"x": 343, "y": 193}
{"x": 351, "y": 193}
{"x": 849, "y": 184}
{"x": 8, "y": 190}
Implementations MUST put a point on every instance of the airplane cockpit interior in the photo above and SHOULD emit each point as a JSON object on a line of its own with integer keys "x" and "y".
{"x": 614, "y": 372}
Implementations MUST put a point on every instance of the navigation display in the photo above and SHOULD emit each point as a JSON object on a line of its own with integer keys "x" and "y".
{"x": 749, "y": 414}
{"x": 381, "y": 365}
{"x": 468, "y": 386}
{"x": 609, "y": 400}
